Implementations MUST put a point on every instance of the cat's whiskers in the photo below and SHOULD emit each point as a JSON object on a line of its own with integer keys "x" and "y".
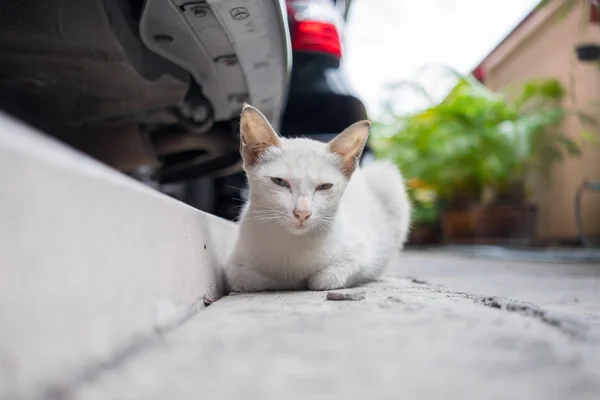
{"x": 271, "y": 219}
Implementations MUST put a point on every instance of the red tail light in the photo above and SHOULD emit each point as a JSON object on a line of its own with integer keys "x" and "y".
{"x": 315, "y": 36}
{"x": 314, "y": 26}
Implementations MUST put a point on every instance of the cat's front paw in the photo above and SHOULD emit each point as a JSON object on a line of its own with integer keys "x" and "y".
{"x": 327, "y": 279}
{"x": 243, "y": 279}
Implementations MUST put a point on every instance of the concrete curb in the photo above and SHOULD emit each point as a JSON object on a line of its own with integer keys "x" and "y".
{"x": 91, "y": 262}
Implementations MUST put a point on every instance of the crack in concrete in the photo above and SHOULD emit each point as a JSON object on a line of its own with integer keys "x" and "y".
{"x": 528, "y": 309}
{"x": 572, "y": 325}
{"x": 418, "y": 281}
{"x": 66, "y": 390}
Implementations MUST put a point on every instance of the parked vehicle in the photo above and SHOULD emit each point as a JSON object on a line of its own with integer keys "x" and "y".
{"x": 151, "y": 87}
{"x": 154, "y": 88}
{"x": 320, "y": 101}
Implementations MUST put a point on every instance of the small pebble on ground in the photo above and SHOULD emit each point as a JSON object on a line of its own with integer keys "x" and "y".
{"x": 346, "y": 294}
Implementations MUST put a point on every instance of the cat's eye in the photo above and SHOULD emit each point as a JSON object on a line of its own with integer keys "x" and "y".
{"x": 325, "y": 186}
{"x": 280, "y": 182}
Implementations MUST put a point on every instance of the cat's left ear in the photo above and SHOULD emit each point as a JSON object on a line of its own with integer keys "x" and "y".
{"x": 256, "y": 135}
{"x": 349, "y": 145}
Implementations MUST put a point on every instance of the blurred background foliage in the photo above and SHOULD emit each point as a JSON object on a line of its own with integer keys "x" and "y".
{"x": 476, "y": 141}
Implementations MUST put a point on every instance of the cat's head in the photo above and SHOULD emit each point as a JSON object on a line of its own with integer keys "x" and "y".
{"x": 297, "y": 183}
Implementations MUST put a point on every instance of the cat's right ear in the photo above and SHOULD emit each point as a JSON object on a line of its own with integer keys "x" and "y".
{"x": 349, "y": 145}
{"x": 256, "y": 135}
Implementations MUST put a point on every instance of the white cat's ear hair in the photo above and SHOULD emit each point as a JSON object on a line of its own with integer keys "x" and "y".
{"x": 349, "y": 145}
{"x": 256, "y": 135}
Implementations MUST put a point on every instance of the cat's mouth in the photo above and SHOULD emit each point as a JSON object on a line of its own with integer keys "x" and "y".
{"x": 299, "y": 228}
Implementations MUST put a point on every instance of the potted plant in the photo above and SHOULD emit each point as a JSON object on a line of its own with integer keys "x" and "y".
{"x": 447, "y": 145}
{"x": 476, "y": 148}
{"x": 537, "y": 143}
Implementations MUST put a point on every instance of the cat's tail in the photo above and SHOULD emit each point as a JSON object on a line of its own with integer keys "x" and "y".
{"x": 386, "y": 181}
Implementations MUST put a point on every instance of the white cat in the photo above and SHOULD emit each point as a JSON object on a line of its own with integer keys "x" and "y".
{"x": 313, "y": 219}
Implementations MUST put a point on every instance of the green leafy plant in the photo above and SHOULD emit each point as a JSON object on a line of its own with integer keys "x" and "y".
{"x": 476, "y": 139}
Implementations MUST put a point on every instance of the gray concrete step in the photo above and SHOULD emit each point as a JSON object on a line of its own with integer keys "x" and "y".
{"x": 92, "y": 263}
{"x": 404, "y": 340}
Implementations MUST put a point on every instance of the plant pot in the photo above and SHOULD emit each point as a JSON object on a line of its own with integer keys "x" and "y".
{"x": 456, "y": 226}
{"x": 423, "y": 234}
{"x": 588, "y": 52}
{"x": 504, "y": 221}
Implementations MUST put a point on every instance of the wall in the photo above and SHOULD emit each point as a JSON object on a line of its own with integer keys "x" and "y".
{"x": 543, "y": 47}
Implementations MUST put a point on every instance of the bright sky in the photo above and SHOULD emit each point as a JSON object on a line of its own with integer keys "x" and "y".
{"x": 389, "y": 40}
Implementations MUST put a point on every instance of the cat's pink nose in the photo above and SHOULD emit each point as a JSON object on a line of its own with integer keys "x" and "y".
{"x": 302, "y": 215}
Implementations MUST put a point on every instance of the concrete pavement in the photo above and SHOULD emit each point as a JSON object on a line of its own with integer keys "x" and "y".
{"x": 561, "y": 287}
{"x": 409, "y": 338}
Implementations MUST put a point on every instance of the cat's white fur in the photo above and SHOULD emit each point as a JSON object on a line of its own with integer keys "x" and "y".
{"x": 355, "y": 229}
